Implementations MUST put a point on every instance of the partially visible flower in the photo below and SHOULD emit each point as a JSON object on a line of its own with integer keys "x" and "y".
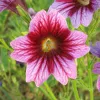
{"x": 98, "y": 83}
{"x": 31, "y": 12}
{"x": 11, "y": 5}
{"x": 80, "y": 11}
{"x": 49, "y": 48}
{"x": 95, "y": 50}
{"x": 20, "y": 64}
{"x": 96, "y": 68}
{"x": 0, "y": 84}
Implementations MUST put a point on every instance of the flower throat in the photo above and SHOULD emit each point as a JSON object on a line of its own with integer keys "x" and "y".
{"x": 84, "y": 2}
{"x": 48, "y": 44}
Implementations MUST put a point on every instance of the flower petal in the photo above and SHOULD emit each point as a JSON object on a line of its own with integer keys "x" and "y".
{"x": 44, "y": 23}
{"x": 69, "y": 9}
{"x": 95, "y": 50}
{"x": 4, "y": 4}
{"x": 64, "y": 69}
{"x": 11, "y": 5}
{"x": 76, "y": 44}
{"x": 86, "y": 16}
{"x": 79, "y": 14}
{"x": 37, "y": 71}
{"x": 63, "y": 0}
{"x": 63, "y": 6}
{"x": 96, "y": 68}
{"x": 22, "y": 49}
{"x": 98, "y": 83}
{"x": 56, "y": 22}
{"x": 98, "y": 44}
{"x": 8, "y": 4}
{"x": 39, "y": 24}
{"x": 2, "y": 7}
{"x": 95, "y": 4}
{"x": 76, "y": 18}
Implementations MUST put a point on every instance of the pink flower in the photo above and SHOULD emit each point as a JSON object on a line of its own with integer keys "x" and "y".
{"x": 96, "y": 70}
{"x": 98, "y": 83}
{"x": 11, "y": 5}
{"x": 95, "y": 50}
{"x": 49, "y": 48}
{"x": 79, "y": 11}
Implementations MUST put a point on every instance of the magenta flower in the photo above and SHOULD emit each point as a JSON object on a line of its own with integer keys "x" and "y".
{"x": 49, "y": 48}
{"x": 11, "y": 5}
{"x": 80, "y": 11}
{"x": 98, "y": 83}
{"x": 95, "y": 50}
{"x": 96, "y": 70}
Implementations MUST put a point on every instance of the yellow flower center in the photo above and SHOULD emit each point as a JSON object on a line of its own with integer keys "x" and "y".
{"x": 48, "y": 44}
{"x": 84, "y": 2}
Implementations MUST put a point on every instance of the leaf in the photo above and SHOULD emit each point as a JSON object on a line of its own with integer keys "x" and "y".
{"x": 4, "y": 58}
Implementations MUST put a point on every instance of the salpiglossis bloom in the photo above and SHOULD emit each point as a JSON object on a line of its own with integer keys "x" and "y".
{"x": 11, "y": 5}
{"x": 49, "y": 48}
{"x": 79, "y": 11}
{"x": 96, "y": 70}
{"x": 95, "y": 50}
{"x": 98, "y": 83}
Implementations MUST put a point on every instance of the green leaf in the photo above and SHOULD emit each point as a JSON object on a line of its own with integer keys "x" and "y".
{"x": 4, "y": 58}
{"x": 25, "y": 16}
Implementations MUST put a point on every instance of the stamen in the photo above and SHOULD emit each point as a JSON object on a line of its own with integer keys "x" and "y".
{"x": 84, "y": 2}
{"x": 48, "y": 44}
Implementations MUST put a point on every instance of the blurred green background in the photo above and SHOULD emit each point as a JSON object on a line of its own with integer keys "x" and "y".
{"x": 12, "y": 73}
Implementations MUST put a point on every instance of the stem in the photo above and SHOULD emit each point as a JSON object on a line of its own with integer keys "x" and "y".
{"x": 45, "y": 93}
{"x": 4, "y": 25}
{"x": 90, "y": 84}
{"x": 50, "y": 91}
{"x": 5, "y": 45}
{"x": 74, "y": 85}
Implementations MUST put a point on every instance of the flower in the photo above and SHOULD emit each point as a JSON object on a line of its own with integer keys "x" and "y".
{"x": 31, "y": 12}
{"x": 0, "y": 84}
{"x": 11, "y": 5}
{"x": 96, "y": 70}
{"x": 95, "y": 50}
{"x": 49, "y": 48}
{"x": 79, "y": 11}
{"x": 98, "y": 83}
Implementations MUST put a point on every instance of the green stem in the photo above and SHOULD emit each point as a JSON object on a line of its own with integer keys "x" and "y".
{"x": 5, "y": 45}
{"x": 90, "y": 84}
{"x": 45, "y": 93}
{"x": 74, "y": 85}
{"x": 50, "y": 91}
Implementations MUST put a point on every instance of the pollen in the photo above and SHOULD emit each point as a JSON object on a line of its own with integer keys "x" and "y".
{"x": 84, "y": 2}
{"x": 48, "y": 44}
